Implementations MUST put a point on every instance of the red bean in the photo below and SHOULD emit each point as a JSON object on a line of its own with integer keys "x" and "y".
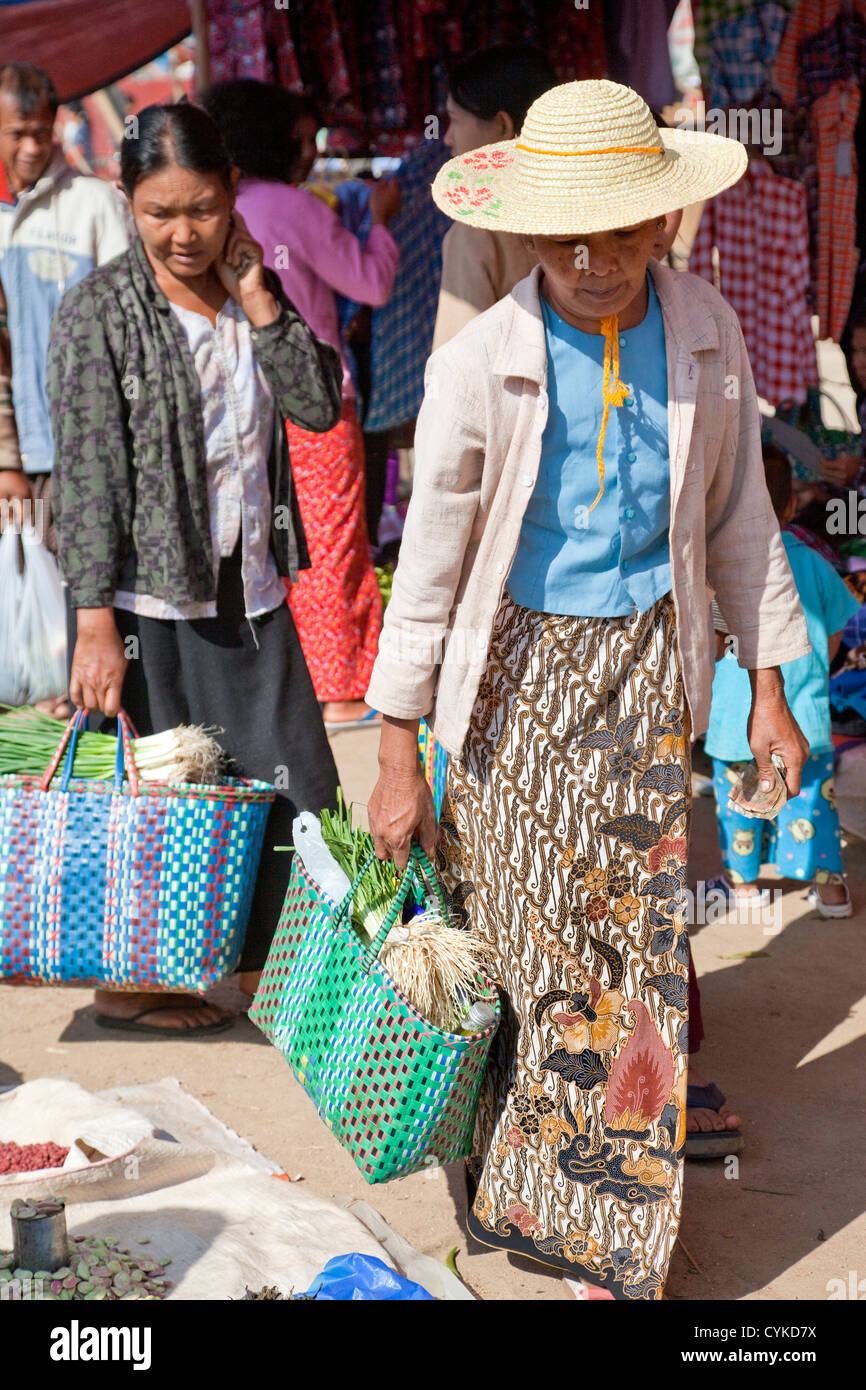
{"x": 28, "y": 1158}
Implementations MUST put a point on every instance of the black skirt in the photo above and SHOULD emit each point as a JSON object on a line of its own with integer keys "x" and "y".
{"x": 249, "y": 679}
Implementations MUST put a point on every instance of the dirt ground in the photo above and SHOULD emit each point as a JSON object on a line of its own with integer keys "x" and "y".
{"x": 785, "y": 1014}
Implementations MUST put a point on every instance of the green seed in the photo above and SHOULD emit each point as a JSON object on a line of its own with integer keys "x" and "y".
{"x": 83, "y": 1269}
{"x": 23, "y": 1274}
{"x": 165, "y": 1262}
{"x": 66, "y": 1296}
{"x": 62, "y": 1273}
{"x": 85, "y": 1287}
{"x": 6, "y": 1261}
{"x": 143, "y": 1240}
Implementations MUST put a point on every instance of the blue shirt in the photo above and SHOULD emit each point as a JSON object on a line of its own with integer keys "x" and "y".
{"x": 828, "y": 604}
{"x": 615, "y": 559}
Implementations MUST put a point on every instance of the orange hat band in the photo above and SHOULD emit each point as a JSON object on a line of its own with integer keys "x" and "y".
{"x": 614, "y": 149}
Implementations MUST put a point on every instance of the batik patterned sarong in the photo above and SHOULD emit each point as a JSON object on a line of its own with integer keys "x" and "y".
{"x": 564, "y": 839}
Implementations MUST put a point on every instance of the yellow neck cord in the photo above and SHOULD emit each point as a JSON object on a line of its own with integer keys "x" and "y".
{"x": 614, "y": 391}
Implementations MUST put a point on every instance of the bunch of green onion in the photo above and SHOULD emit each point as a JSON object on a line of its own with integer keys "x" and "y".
{"x": 29, "y": 740}
{"x": 437, "y": 967}
{"x": 351, "y": 848}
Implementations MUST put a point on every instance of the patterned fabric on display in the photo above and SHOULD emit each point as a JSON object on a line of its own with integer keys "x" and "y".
{"x": 336, "y": 603}
{"x": 741, "y": 54}
{"x": 760, "y": 228}
{"x": 564, "y": 839}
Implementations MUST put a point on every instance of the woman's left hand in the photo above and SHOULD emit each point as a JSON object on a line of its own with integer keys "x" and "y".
{"x": 241, "y": 268}
{"x": 772, "y": 728}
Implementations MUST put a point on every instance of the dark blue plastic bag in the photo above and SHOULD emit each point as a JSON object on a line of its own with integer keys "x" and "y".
{"x": 364, "y": 1276}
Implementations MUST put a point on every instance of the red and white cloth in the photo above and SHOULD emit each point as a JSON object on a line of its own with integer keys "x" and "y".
{"x": 759, "y": 228}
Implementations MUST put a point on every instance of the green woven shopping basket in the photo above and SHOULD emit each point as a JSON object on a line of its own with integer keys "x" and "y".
{"x": 398, "y": 1093}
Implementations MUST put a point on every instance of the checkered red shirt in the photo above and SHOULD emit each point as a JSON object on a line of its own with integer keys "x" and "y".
{"x": 760, "y": 230}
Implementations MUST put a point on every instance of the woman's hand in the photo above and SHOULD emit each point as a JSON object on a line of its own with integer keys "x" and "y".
{"x": 772, "y": 728}
{"x": 401, "y": 808}
{"x": 841, "y": 471}
{"x": 386, "y": 200}
{"x": 241, "y": 268}
{"x": 15, "y": 489}
{"x": 98, "y": 662}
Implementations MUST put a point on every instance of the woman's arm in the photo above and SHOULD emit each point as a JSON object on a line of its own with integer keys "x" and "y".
{"x": 749, "y": 571}
{"x": 449, "y": 461}
{"x": 305, "y": 375}
{"x": 92, "y": 492}
{"x": 92, "y": 489}
{"x": 446, "y": 488}
{"x": 365, "y": 274}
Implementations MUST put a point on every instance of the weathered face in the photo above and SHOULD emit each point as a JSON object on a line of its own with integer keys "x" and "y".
{"x": 25, "y": 142}
{"x": 467, "y": 132}
{"x": 590, "y": 277}
{"x": 182, "y": 218}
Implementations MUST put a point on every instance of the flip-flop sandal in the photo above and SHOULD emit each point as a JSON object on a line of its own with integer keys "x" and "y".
{"x": 715, "y": 1143}
{"x": 372, "y": 720}
{"x": 134, "y": 1024}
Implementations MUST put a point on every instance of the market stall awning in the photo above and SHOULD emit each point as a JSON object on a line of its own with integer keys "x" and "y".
{"x": 86, "y": 46}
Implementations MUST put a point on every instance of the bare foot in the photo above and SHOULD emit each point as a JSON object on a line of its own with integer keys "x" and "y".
{"x": 344, "y": 711}
{"x": 248, "y": 981}
{"x": 176, "y": 1011}
{"x": 700, "y": 1119}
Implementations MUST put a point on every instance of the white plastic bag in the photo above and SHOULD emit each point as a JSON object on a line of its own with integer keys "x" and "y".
{"x": 32, "y": 621}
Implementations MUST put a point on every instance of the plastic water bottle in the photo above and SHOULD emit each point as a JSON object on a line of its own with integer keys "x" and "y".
{"x": 317, "y": 859}
{"x": 478, "y": 1017}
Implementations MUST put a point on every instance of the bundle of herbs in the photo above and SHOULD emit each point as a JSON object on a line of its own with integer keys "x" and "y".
{"x": 436, "y": 965}
{"x": 29, "y": 740}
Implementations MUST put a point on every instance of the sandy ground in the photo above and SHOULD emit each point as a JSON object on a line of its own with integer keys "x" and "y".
{"x": 786, "y": 1023}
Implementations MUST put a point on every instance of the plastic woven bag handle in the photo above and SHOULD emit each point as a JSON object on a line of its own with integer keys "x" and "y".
{"x": 426, "y": 880}
{"x": 124, "y": 760}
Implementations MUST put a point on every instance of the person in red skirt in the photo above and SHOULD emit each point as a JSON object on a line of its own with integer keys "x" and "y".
{"x": 336, "y": 603}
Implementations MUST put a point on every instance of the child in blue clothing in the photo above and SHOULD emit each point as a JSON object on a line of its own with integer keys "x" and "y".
{"x": 805, "y": 839}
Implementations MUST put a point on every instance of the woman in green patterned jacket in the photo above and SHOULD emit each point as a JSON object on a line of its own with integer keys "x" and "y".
{"x": 172, "y": 371}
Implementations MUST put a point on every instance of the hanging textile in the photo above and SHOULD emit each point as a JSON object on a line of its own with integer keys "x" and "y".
{"x": 819, "y": 70}
{"x": 708, "y": 16}
{"x": 741, "y": 53}
{"x": 637, "y": 48}
{"x": 380, "y": 66}
{"x": 809, "y": 19}
{"x": 834, "y": 116}
{"x": 759, "y": 229}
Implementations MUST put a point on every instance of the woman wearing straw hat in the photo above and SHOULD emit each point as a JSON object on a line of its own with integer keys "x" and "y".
{"x": 588, "y": 476}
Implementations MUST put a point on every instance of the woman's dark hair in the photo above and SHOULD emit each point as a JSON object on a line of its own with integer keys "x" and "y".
{"x": 508, "y": 77}
{"x": 258, "y": 122}
{"x": 777, "y": 471}
{"x": 181, "y": 134}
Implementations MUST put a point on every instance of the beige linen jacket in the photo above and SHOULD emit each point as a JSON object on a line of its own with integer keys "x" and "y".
{"x": 477, "y": 450}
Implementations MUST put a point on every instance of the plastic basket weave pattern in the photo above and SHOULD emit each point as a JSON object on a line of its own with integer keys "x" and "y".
{"x": 434, "y": 761}
{"x": 399, "y": 1094}
{"x": 122, "y": 883}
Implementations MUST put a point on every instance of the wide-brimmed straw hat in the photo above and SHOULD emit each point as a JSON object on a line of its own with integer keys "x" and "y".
{"x": 590, "y": 158}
